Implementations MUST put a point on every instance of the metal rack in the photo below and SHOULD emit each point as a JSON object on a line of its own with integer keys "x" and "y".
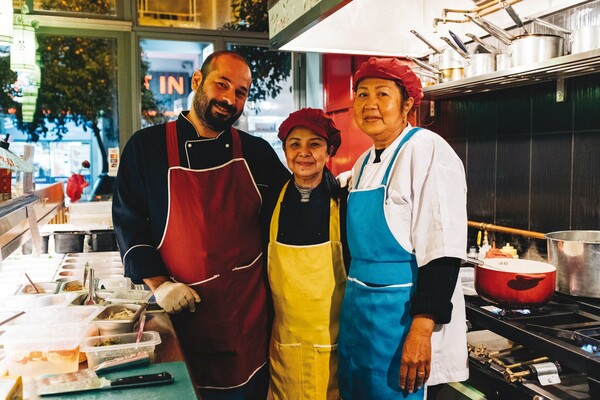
{"x": 554, "y": 69}
{"x": 19, "y": 215}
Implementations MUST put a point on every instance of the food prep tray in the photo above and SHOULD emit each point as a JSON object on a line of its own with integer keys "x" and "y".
{"x": 43, "y": 287}
{"x": 99, "y": 272}
{"x": 95, "y": 265}
{"x": 101, "y": 294}
{"x": 107, "y": 325}
{"x": 130, "y": 296}
{"x": 103, "y": 348}
{"x": 94, "y": 255}
{"x": 34, "y": 301}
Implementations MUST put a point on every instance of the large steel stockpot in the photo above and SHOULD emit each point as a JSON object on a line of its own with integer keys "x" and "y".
{"x": 528, "y": 48}
{"x": 585, "y": 39}
{"x": 533, "y": 48}
{"x": 576, "y": 256}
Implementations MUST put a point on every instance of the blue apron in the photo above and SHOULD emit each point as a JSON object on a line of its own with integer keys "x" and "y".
{"x": 375, "y": 320}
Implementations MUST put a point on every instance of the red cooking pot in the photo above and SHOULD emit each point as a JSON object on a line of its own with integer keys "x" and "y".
{"x": 514, "y": 283}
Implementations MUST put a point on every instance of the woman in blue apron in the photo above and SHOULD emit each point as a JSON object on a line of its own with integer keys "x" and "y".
{"x": 402, "y": 321}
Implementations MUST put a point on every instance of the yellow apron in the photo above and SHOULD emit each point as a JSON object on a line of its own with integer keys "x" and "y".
{"x": 307, "y": 285}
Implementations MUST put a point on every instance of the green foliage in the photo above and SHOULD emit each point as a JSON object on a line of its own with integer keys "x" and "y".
{"x": 269, "y": 68}
{"x": 78, "y": 80}
{"x": 7, "y": 86}
{"x": 249, "y": 15}
{"x": 106, "y": 7}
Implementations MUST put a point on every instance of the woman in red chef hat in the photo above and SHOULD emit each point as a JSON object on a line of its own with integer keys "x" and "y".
{"x": 402, "y": 323}
{"x": 306, "y": 264}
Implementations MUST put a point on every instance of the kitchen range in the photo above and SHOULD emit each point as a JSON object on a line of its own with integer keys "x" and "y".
{"x": 549, "y": 353}
{"x": 534, "y": 333}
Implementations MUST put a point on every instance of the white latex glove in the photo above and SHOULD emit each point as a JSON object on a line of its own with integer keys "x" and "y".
{"x": 174, "y": 297}
{"x": 345, "y": 178}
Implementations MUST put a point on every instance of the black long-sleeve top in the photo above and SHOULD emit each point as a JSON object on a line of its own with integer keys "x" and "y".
{"x": 306, "y": 223}
{"x": 140, "y": 199}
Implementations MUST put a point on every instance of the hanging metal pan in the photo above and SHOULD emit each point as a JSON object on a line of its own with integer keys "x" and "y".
{"x": 476, "y": 63}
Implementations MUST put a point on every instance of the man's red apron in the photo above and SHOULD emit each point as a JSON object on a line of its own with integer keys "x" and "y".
{"x": 212, "y": 243}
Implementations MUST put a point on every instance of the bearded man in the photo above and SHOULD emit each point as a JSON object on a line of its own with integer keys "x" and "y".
{"x": 187, "y": 207}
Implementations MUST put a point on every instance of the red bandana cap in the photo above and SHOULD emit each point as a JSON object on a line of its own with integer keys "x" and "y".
{"x": 315, "y": 120}
{"x": 392, "y": 69}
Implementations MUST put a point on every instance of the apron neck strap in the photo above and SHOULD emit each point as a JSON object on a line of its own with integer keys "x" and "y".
{"x": 387, "y": 172}
{"x": 236, "y": 142}
{"x": 173, "y": 144}
{"x": 406, "y": 138}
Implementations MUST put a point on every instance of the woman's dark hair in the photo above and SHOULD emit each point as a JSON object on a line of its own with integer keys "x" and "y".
{"x": 332, "y": 186}
{"x": 403, "y": 92}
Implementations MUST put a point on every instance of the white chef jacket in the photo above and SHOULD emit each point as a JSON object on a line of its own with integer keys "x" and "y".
{"x": 426, "y": 212}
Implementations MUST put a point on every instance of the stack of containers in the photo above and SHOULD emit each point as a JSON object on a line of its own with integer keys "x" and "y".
{"x": 46, "y": 340}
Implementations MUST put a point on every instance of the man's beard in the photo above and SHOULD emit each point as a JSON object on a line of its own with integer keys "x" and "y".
{"x": 215, "y": 121}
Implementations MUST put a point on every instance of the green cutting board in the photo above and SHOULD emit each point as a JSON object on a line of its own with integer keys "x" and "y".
{"x": 181, "y": 389}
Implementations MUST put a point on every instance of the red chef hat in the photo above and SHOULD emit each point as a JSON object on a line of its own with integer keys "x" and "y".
{"x": 315, "y": 120}
{"x": 392, "y": 69}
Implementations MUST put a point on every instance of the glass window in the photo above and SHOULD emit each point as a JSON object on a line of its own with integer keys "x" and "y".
{"x": 99, "y": 7}
{"x": 271, "y": 99}
{"x": 205, "y": 14}
{"x": 232, "y": 15}
{"x": 166, "y": 70}
{"x": 75, "y": 117}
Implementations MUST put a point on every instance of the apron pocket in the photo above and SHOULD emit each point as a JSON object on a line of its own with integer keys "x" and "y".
{"x": 286, "y": 370}
{"x": 326, "y": 371}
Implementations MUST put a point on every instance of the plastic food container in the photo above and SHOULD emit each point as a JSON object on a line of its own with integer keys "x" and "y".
{"x": 119, "y": 318}
{"x": 125, "y": 296}
{"x": 71, "y": 286}
{"x": 43, "y": 287}
{"x": 101, "y": 294}
{"x": 99, "y": 272}
{"x": 34, "y": 301}
{"x": 112, "y": 282}
{"x": 51, "y": 316}
{"x": 93, "y": 256}
{"x": 48, "y": 347}
{"x": 80, "y": 265}
{"x": 108, "y": 347}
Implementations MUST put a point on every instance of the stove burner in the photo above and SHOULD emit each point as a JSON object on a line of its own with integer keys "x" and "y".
{"x": 502, "y": 312}
{"x": 590, "y": 348}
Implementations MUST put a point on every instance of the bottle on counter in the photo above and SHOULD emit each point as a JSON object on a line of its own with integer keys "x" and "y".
{"x": 509, "y": 250}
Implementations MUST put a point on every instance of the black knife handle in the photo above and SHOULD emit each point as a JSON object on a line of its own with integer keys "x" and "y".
{"x": 141, "y": 380}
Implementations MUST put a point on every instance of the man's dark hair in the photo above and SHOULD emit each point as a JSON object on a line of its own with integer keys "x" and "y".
{"x": 209, "y": 64}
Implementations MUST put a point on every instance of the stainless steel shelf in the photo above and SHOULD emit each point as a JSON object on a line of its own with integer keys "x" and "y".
{"x": 14, "y": 216}
{"x": 560, "y": 67}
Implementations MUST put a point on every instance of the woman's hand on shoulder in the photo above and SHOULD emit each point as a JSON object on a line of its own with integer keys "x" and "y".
{"x": 345, "y": 179}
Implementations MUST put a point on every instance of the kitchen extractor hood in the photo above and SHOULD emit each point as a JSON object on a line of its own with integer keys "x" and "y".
{"x": 382, "y": 27}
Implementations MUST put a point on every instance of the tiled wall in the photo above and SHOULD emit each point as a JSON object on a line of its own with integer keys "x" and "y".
{"x": 531, "y": 162}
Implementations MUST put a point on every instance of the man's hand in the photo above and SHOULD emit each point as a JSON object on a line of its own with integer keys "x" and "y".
{"x": 174, "y": 297}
